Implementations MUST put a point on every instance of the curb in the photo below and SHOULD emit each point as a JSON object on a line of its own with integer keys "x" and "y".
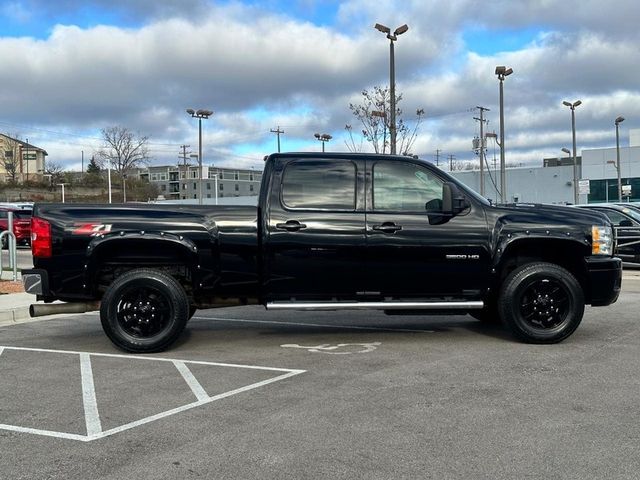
{"x": 14, "y": 315}
{"x": 14, "y": 307}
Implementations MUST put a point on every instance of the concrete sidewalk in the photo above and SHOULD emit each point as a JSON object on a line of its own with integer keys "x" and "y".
{"x": 14, "y": 307}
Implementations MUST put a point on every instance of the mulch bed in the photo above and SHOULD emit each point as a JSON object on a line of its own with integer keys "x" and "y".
{"x": 10, "y": 287}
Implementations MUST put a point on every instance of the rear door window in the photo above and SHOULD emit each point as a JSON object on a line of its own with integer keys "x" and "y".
{"x": 319, "y": 185}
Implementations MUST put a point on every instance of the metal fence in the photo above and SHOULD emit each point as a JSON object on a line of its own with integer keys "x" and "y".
{"x": 8, "y": 238}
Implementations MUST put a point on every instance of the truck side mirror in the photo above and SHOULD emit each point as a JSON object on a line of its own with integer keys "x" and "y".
{"x": 453, "y": 202}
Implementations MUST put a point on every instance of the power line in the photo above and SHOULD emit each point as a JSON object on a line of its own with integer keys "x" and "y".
{"x": 184, "y": 154}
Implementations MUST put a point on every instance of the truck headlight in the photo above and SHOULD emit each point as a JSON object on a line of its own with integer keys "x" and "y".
{"x": 602, "y": 240}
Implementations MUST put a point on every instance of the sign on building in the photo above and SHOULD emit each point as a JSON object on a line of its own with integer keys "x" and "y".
{"x": 583, "y": 187}
{"x": 626, "y": 190}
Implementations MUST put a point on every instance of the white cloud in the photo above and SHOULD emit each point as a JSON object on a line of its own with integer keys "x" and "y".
{"x": 236, "y": 59}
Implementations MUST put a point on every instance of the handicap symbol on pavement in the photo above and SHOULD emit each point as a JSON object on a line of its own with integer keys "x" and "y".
{"x": 337, "y": 349}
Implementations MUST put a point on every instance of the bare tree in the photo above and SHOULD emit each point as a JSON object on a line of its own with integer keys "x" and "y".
{"x": 374, "y": 115}
{"x": 122, "y": 151}
{"x": 55, "y": 170}
{"x": 10, "y": 156}
{"x": 351, "y": 143}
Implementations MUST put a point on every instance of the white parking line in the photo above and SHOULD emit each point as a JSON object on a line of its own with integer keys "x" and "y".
{"x": 92, "y": 417}
{"x": 194, "y": 385}
{"x": 156, "y": 359}
{"x": 351, "y": 327}
{"x": 183, "y": 408}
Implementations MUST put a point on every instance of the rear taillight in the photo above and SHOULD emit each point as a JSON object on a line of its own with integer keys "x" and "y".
{"x": 40, "y": 238}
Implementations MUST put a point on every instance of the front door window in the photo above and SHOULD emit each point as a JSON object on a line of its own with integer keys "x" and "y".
{"x": 405, "y": 187}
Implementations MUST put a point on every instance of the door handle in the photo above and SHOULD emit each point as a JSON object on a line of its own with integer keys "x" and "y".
{"x": 387, "y": 227}
{"x": 291, "y": 226}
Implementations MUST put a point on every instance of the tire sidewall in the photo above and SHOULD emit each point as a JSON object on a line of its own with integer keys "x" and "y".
{"x": 172, "y": 292}
{"x": 514, "y": 287}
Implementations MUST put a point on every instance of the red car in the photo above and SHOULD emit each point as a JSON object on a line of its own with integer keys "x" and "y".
{"x": 21, "y": 224}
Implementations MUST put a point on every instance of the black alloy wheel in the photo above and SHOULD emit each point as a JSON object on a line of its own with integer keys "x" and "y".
{"x": 541, "y": 303}
{"x": 545, "y": 303}
{"x": 144, "y": 311}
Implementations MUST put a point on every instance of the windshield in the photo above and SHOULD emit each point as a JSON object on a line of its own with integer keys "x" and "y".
{"x": 22, "y": 214}
{"x": 631, "y": 213}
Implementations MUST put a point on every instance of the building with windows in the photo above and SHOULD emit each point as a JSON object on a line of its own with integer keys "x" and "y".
{"x": 553, "y": 181}
{"x": 20, "y": 161}
{"x": 180, "y": 182}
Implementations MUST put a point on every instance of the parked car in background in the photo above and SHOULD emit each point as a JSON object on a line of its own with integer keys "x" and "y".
{"x": 21, "y": 224}
{"x": 18, "y": 205}
{"x": 632, "y": 205}
{"x": 626, "y": 222}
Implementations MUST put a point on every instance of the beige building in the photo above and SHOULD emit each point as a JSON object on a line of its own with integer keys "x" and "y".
{"x": 20, "y": 161}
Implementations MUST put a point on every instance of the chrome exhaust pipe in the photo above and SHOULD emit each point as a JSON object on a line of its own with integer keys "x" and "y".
{"x": 42, "y": 309}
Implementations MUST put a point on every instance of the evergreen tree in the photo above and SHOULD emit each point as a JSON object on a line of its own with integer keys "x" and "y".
{"x": 93, "y": 166}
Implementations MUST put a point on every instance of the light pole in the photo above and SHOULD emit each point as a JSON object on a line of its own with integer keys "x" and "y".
{"x": 568, "y": 152}
{"x": 573, "y": 106}
{"x": 322, "y": 137}
{"x": 618, "y": 121}
{"x": 215, "y": 179}
{"x": 199, "y": 114}
{"x": 392, "y": 77}
{"x": 502, "y": 72}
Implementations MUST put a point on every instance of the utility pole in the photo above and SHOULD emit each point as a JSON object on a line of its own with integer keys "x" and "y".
{"x": 482, "y": 140}
{"x": 451, "y": 159}
{"x": 28, "y": 161}
{"x": 184, "y": 154}
{"x": 277, "y": 131}
{"x": 438, "y": 157}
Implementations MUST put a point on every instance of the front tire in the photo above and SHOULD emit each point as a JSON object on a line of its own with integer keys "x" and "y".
{"x": 541, "y": 303}
{"x": 144, "y": 311}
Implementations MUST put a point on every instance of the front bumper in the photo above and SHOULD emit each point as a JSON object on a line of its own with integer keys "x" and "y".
{"x": 605, "y": 279}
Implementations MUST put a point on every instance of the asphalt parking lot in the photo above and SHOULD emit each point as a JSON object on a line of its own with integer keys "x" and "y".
{"x": 253, "y": 394}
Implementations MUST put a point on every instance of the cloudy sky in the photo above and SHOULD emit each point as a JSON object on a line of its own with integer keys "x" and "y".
{"x": 71, "y": 67}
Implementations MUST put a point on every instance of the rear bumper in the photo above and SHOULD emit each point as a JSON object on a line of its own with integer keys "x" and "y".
{"x": 605, "y": 279}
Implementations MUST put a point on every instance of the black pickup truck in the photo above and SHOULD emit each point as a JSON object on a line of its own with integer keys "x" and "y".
{"x": 331, "y": 231}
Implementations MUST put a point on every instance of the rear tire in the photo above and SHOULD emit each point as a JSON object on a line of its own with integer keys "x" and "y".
{"x": 144, "y": 311}
{"x": 541, "y": 303}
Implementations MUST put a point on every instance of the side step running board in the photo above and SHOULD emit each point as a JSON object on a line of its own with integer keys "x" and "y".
{"x": 472, "y": 305}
